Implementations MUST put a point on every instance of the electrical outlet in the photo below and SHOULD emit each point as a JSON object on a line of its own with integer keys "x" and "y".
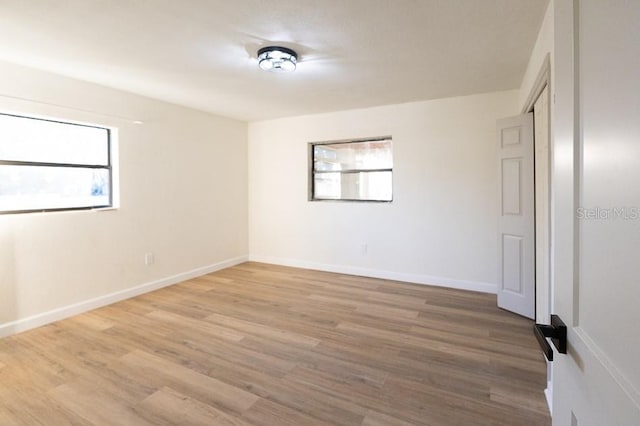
{"x": 148, "y": 259}
{"x": 364, "y": 248}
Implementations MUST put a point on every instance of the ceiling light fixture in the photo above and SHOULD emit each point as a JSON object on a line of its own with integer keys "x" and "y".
{"x": 277, "y": 59}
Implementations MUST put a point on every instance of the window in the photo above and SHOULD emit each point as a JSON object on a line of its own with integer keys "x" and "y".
{"x": 48, "y": 165}
{"x": 360, "y": 170}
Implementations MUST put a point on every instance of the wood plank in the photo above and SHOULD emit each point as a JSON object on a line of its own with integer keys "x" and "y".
{"x": 93, "y": 321}
{"x": 265, "y": 412}
{"x": 374, "y": 418}
{"x": 259, "y": 329}
{"x": 96, "y": 405}
{"x": 169, "y": 407}
{"x": 151, "y": 369}
{"x": 203, "y": 327}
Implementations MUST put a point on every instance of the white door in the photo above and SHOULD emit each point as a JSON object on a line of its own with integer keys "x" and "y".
{"x": 516, "y": 256}
{"x": 596, "y": 221}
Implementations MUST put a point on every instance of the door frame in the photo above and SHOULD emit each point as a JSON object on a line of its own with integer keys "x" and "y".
{"x": 544, "y": 295}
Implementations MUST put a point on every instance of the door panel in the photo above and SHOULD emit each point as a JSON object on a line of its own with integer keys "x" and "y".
{"x": 596, "y": 171}
{"x": 511, "y": 136}
{"x": 516, "y": 289}
{"x": 511, "y": 186}
{"x": 512, "y": 261}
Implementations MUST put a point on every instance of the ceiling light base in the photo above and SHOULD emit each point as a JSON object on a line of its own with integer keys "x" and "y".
{"x": 277, "y": 59}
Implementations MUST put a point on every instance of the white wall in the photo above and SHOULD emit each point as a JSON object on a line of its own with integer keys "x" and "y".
{"x": 183, "y": 185}
{"x": 442, "y": 225}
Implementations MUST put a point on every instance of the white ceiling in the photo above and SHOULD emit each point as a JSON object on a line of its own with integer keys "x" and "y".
{"x": 353, "y": 53}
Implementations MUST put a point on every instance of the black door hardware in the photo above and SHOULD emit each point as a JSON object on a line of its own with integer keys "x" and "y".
{"x": 557, "y": 331}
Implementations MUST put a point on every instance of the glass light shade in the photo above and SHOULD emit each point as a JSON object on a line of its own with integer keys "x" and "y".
{"x": 277, "y": 59}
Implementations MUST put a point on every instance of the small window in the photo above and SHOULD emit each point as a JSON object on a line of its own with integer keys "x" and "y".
{"x": 360, "y": 170}
{"x": 48, "y": 165}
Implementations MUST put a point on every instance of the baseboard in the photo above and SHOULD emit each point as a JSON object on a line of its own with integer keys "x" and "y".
{"x": 58, "y": 314}
{"x": 377, "y": 273}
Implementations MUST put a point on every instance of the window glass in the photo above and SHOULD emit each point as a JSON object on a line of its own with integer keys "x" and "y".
{"x": 51, "y": 165}
{"x": 353, "y": 171}
{"x": 360, "y": 186}
{"x": 353, "y": 156}
{"x": 34, "y": 140}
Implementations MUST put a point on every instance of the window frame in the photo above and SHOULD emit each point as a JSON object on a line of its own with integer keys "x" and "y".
{"x": 108, "y": 167}
{"x": 312, "y": 171}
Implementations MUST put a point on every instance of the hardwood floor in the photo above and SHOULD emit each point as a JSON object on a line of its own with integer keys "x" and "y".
{"x": 267, "y": 345}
